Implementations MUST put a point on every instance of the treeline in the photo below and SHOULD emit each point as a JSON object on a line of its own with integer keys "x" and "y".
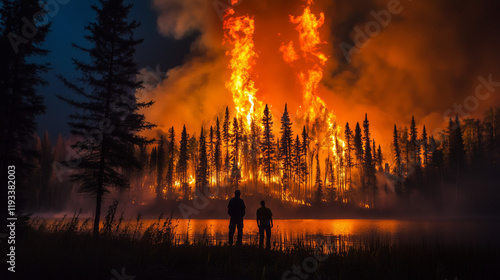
{"x": 459, "y": 165}
{"x": 231, "y": 154}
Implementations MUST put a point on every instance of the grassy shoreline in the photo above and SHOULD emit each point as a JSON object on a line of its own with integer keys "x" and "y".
{"x": 66, "y": 251}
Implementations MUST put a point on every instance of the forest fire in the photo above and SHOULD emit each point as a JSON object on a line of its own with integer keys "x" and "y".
{"x": 239, "y": 33}
{"x": 314, "y": 123}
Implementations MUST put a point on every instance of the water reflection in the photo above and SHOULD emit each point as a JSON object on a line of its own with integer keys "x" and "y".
{"x": 341, "y": 232}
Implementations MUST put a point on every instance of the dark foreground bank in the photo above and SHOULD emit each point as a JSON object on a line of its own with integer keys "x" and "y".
{"x": 65, "y": 251}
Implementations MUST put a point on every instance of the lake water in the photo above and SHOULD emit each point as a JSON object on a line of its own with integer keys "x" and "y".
{"x": 343, "y": 233}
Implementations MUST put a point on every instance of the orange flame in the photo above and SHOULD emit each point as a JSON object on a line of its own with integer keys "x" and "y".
{"x": 311, "y": 73}
{"x": 239, "y": 33}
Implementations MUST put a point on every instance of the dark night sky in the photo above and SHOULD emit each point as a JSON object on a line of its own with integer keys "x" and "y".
{"x": 68, "y": 27}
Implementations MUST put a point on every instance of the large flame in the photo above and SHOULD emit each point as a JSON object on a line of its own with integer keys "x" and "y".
{"x": 312, "y": 61}
{"x": 238, "y": 31}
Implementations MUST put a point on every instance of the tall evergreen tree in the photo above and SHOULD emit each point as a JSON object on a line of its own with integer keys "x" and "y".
{"x": 210, "y": 154}
{"x": 297, "y": 162}
{"x": 21, "y": 40}
{"x": 414, "y": 145}
{"x": 217, "y": 152}
{"x": 226, "y": 135}
{"x": 358, "y": 145}
{"x": 202, "y": 171}
{"x": 349, "y": 143}
{"x": 368, "y": 164}
{"x": 109, "y": 121}
{"x": 318, "y": 184}
{"x": 305, "y": 148}
{"x": 235, "y": 158}
{"x": 286, "y": 148}
{"x": 398, "y": 170}
{"x": 182, "y": 164}
{"x": 171, "y": 160}
{"x": 456, "y": 152}
{"x": 424, "y": 141}
{"x": 267, "y": 145}
{"x": 380, "y": 158}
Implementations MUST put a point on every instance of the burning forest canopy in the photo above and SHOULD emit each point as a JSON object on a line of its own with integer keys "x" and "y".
{"x": 316, "y": 66}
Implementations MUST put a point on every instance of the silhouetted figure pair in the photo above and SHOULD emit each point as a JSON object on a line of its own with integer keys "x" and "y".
{"x": 236, "y": 210}
{"x": 265, "y": 223}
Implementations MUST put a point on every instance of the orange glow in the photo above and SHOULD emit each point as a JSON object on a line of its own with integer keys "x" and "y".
{"x": 311, "y": 74}
{"x": 238, "y": 31}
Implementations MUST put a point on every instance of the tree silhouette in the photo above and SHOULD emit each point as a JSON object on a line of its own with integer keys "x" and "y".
{"x": 398, "y": 170}
{"x": 286, "y": 149}
{"x": 21, "y": 40}
{"x": 171, "y": 160}
{"x": 202, "y": 171}
{"x": 107, "y": 121}
{"x": 235, "y": 145}
{"x": 368, "y": 164}
{"x": 182, "y": 164}
{"x": 217, "y": 152}
{"x": 267, "y": 145}
{"x": 318, "y": 183}
{"x": 226, "y": 135}
{"x": 349, "y": 143}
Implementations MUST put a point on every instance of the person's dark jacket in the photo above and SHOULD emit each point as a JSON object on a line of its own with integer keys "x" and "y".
{"x": 236, "y": 208}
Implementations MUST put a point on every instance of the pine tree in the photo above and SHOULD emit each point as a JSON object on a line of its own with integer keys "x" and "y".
{"x": 424, "y": 141}
{"x": 414, "y": 145}
{"x": 171, "y": 160}
{"x": 305, "y": 147}
{"x": 210, "y": 155}
{"x": 202, "y": 171}
{"x": 374, "y": 150}
{"x": 398, "y": 170}
{"x": 380, "y": 158}
{"x": 286, "y": 148}
{"x": 297, "y": 162}
{"x": 21, "y": 40}
{"x": 193, "y": 156}
{"x": 358, "y": 145}
{"x": 318, "y": 184}
{"x": 368, "y": 164}
{"x": 405, "y": 151}
{"x": 226, "y": 136}
{"x": 267, "y": 145}
{"x": 349, "y": 149}
{"x": 109, "y": 121}
{"x": 217, "y": 152}
{"x": 182, "y": 164}
{"x": 235, "y": 159}
{"x": 456, "y": 147}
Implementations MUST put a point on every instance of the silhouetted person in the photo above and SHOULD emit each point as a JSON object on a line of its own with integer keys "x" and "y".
{"x": 236, "y": 210}
{"x": 264, "y": 222}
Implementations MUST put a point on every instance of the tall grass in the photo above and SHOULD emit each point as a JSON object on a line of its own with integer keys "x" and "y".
{"x": 65, "y": 249}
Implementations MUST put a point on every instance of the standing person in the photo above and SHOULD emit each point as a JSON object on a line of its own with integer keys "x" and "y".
{"x": 264, "y": 222}
{"x": 236, "y": 210}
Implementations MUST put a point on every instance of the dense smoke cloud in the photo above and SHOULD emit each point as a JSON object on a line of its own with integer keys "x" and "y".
{"x": 427, "y": 58}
